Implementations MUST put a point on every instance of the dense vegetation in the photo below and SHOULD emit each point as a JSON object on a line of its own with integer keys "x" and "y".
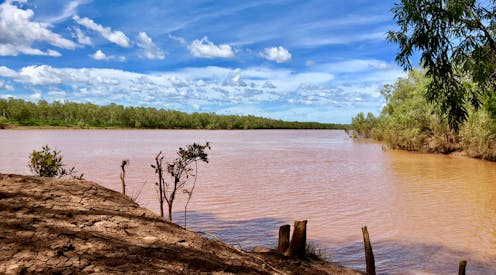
{"x": 409, "y": 121}
{"x": 84, "y": 115}
{"x": 451, "y": 105}
{"x": 456, "y": 41}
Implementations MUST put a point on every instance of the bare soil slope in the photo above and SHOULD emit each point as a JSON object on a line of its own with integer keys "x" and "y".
{"x": 69, "y": 226}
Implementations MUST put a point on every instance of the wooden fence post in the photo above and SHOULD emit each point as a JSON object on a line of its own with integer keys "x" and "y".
{"x": 298, "y": 242}
{"x": 369, "y": 254}
{"x": 461, "y": 267}
{"x": 283, "y": 242}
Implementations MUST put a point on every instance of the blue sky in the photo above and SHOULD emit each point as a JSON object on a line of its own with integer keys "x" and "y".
{"x": 286, "y": 59}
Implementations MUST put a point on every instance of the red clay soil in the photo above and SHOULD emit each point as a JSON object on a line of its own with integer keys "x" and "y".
{"x": 70, "y": 226}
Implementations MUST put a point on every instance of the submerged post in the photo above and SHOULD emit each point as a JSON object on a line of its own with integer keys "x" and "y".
{"x": 369, "y": 254}
{"x": 283, "y": 242}
{"x": 298, "y": 242}
{"x": 461, "y": 267}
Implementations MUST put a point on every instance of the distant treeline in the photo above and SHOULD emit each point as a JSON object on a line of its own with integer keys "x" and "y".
{"x": 85, "y": 115}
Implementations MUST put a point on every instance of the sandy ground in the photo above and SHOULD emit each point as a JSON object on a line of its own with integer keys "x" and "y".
{"x": 69, "y": 226}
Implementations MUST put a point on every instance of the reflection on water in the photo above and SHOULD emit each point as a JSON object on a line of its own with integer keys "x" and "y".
{"x": 424, "y": 212}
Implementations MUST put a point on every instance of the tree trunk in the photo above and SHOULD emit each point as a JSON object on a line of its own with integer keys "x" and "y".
{"x": 170, "y": 212}
{"x": 369, "y": 254}
{"x": 283, "y": 242}
{"x": 298, "y": 242}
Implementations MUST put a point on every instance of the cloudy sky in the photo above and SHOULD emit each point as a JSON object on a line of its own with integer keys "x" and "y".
{"x": 286, "y": 59}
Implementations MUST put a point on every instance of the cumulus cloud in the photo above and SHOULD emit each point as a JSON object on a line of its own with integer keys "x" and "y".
{"x": 116, "y": 37}
{"x": 35, "y": 96}
{"x": 99, "y": 55}
{"x": 18, "y": 32}
{"x": 82, "y": 38}
{"x": 277, "y": 54}
{"x": 151, "y": 51}
{"x": 205, "y": 49}
{"x": 39, "y": 75}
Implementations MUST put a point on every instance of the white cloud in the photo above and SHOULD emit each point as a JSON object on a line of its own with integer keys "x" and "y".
{"x": 57, "y": 93}
{"x": 5, "y": 86}
{"x": 82, "y": 38}
{"x": 18, "y": 32}
{"x": 205, "y": 49}
{"x": 150, "y": 50}
{"x": 356, "y": 65}
{"x": 178, "y": 39}
{"x": 39, "y": 75}
{"x": 70, "y": 9}
{"x": 7, "y": 72}
{"x": 100, "y": 55}
{"x": 35, "y": 96}
{"x": 343, "y": 39}
{"x": 277, "y": 54}
{"x": 116, "y": 37}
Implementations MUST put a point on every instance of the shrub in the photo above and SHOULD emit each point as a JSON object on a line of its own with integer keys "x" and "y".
{"x": 48, "y": 163}
{"x": 314, "y": 252}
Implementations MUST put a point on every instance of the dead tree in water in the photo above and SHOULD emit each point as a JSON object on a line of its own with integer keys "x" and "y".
{"x": 123, "y": 175}
{"x": 369, "y": 254}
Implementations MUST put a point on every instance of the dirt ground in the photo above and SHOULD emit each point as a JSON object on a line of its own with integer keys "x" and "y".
{"x": 69, "y": 226}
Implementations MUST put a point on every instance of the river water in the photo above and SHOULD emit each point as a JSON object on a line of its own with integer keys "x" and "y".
{"x": 424, "y": 212}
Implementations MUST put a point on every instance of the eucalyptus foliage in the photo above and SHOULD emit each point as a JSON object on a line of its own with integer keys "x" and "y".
{"x": 457, "y": 43}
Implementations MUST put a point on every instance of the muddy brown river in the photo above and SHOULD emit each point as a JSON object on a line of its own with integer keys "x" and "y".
{"x": 424, "y": 212}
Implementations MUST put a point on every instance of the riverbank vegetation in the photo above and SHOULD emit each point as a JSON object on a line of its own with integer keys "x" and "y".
{"x": 409, "y": 121}
{"x": 88, "y": 115}
{"x": 451, "y": 104}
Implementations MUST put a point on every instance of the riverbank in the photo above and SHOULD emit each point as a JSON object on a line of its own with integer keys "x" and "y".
{"x": 69, "y": 226}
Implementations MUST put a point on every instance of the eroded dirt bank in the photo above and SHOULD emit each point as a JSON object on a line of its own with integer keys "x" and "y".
{"x": 69, "y": 226}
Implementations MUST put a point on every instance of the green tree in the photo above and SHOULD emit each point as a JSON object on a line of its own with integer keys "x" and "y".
{"x": 48, "y": 163}
{"x": 457, "y": 42}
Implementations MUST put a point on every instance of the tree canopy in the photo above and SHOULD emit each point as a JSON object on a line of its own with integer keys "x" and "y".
{"x": 457, "y": 43}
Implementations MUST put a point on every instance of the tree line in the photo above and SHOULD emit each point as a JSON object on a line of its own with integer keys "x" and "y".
{"x": 86, "y": 115}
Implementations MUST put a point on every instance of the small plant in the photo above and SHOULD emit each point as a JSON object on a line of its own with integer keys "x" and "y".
{"x": 314, "y": 252}
{"x": 179, "y": 173}
{"x": 48, "y": 163}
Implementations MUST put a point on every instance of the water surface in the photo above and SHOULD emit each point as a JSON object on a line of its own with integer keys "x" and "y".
{"x": 424, "y": 212}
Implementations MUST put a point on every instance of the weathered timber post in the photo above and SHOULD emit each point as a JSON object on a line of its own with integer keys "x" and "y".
{"x": 461, "y": 267}
{"x": 283, "y": 242}
{"x": 369, "y": 254}
{"x": 298, "y": 242}
{"x": 123, "y": 175}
